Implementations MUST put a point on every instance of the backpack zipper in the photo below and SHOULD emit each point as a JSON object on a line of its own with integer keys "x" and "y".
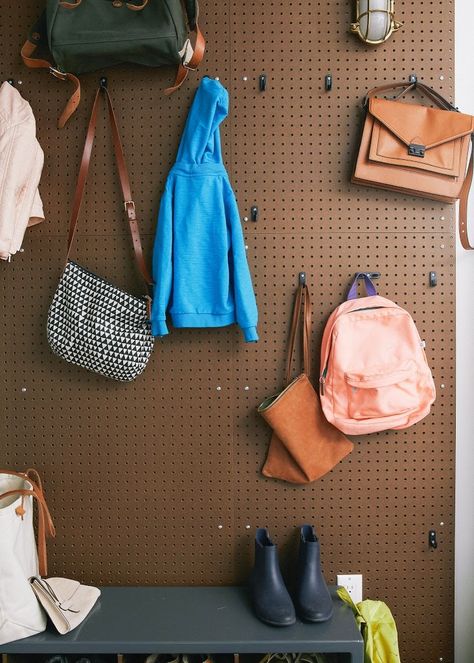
{"x": 366, "y": 308}
{"x": 322, "y": 381}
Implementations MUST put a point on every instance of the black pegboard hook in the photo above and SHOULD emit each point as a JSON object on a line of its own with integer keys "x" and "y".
{"x": 302, "y": 279}
{"x": 371, "y": 275}
{"x": 103, "y": 82}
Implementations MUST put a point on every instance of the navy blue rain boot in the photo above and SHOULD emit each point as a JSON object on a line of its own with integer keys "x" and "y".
{"x": 271, "y": 601}
{"x": 313, "y": 601}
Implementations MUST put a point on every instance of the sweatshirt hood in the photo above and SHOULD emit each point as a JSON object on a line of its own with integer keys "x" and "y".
{"x": 13, "y": 108}
{"x": 200, "y": 143}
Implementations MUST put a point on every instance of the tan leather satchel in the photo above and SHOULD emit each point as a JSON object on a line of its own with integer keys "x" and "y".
{"x": 417, "y": 150}
{"x": 304, "y": 445}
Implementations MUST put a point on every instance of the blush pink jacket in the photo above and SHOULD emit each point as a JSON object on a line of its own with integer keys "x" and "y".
{"x": 21, "y": 163}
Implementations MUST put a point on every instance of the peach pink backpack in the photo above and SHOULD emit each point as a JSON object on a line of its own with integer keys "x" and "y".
{"x": 374, "y": 373}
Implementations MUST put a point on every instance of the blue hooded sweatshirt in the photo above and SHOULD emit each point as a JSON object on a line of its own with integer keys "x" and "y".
{"x": 199, "y": 261}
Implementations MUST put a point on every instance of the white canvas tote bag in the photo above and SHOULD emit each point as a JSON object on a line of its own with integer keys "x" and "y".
{"x": 20, "y": 613}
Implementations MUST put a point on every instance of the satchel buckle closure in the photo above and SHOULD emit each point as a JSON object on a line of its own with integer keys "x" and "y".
{"x": 415, "y": 150}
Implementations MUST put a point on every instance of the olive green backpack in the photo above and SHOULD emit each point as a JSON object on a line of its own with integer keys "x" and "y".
{"x": 86, "y": 35}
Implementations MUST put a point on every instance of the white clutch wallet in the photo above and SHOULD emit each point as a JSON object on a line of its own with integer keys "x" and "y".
{"x": 66, "y": 602}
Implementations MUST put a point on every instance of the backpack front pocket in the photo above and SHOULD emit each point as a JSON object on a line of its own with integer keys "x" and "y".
{"x": 387, "y": 392}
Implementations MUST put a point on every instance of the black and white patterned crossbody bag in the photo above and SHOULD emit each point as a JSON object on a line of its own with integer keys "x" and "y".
{"x": 91, "y": 322}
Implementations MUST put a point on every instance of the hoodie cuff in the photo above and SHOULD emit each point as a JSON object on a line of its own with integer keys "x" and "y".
{"x": 159, "y": 328}
{"x": 250, "y": 334}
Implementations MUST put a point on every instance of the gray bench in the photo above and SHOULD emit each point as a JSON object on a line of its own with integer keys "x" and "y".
{"x": 192, "y": 620}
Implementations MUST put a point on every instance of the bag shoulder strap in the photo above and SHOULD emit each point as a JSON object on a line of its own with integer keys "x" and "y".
{"x": 302, "y": 302}
{"x": 463, "y": 200}
{"x": 36, "y": 38}
{"x": 45, "y": 522}
{"x": 129, "y": 205}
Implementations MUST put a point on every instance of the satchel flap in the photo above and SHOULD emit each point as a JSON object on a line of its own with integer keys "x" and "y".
{"x": 419, "y": 138}
{"x": 420, "y": 125}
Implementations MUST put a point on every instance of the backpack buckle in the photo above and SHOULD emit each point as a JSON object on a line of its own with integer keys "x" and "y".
{"x": 58, "y": 74}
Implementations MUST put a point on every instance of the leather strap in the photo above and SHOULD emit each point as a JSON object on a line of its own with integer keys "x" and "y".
{"x": 435, "y": 97}
{"x": 432, "y": 94}
{"x": 37, "y": 63}
{"x": 45, "y": 522}
{"x": 302, "y": 302}
{"x": 195, "y": 60}
{"x": 129, "y": 205}
{"x": 463, "y": 200}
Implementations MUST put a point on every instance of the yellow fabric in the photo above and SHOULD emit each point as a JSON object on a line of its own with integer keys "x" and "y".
{"x": 378, "y": 629}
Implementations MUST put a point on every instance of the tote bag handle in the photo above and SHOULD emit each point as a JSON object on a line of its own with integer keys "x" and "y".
{"x": 45, "y": 522}
{"x": 302, "y": 302}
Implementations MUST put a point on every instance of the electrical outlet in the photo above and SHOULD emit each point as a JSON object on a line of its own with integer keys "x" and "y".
{"x": 353, "y": 584}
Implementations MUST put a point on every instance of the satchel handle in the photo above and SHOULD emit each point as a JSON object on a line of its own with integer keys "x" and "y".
{"x": 429, "y": 92}
{"x": 45, "y": 522}
{"x": 129, "y": 205}
{"x": 302, "y": 300}
{"x": 370, "y": 288}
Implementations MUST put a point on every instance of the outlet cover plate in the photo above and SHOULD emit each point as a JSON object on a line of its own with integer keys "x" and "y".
{"x": 353, "y": 583}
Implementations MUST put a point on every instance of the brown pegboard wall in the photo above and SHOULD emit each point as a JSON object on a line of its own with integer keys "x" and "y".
{"x": 158, "y": 481}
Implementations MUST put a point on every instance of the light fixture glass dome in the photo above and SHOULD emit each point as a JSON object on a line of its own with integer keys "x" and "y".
{"x": 375, "y": 20}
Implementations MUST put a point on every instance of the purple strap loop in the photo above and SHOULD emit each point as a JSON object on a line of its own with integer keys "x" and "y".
{"x": 369, "y": 286}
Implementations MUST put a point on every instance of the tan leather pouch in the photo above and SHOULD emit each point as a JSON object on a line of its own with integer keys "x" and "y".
{"x": 304, "y": 445}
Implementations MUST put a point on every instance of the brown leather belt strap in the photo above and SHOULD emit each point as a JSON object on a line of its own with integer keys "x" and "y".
{"x": 45, "y": 522}
{"x": 463, "y": 200}
{"x": 302, "y": 301}
{"x": 194, "y": 62}
{"x": 127, "y": 197}
{"x": 129, "y": 205}
{"x": 37, "y": 63}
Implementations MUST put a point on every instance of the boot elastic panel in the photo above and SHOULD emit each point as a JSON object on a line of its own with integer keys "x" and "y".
{"x": 308, "y": 534}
